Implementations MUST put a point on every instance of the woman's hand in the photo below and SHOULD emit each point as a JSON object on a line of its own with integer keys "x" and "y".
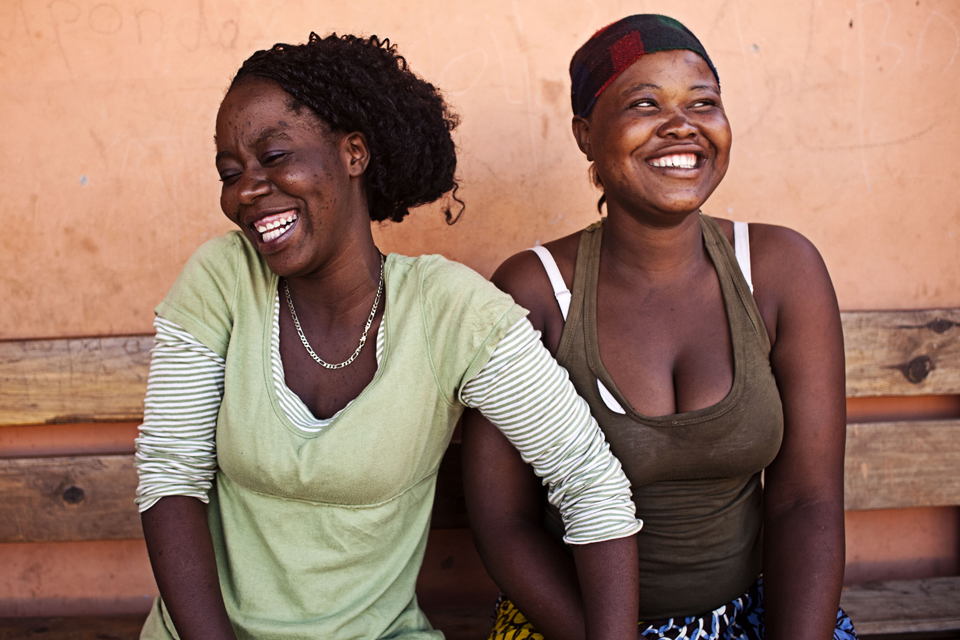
{"x": 181, "y": 553}
{"x": 803, "y": 550}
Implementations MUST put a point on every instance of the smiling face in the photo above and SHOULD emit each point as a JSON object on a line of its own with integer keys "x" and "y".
{"x": 290, "y": 185}
{"x": 658, "y": 135}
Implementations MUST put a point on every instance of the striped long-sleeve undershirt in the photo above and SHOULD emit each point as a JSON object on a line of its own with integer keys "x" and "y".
{"x": 521, "y": 390}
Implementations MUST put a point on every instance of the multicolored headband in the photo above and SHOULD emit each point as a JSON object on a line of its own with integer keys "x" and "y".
{"x": 612, "y": 49}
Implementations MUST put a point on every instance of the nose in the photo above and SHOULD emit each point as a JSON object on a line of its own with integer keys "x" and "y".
{"x": 251, "y": 186}
{"x": 677, "y": 125}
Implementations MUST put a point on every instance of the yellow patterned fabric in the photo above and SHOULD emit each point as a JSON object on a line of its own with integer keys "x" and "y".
{"x": 510, "y": 624}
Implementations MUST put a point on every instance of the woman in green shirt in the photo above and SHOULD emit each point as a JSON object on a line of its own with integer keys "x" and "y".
{"x": 287, "y": 470}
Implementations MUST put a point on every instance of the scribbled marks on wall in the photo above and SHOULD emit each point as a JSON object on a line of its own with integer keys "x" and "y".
{"x": 938, "y": 44}
{"x": 74, "y": 24}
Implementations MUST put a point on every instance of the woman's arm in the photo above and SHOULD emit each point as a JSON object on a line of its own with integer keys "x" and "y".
{"x": 504, "y": 500}
{"x": 533, "y": 570}
{"x": 181, "y": 554}
{"x": 803, "y": 553}
{"x": 176, "y": 462}
{"x": 532, "y": 403}
{"x": 504, "y": 504}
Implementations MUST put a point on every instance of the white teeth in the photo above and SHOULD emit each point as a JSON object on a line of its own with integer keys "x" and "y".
{"x": 276, "y": 227}
{"x": 682, "y": 160}
{"x": 276, "y": 233}
{"x": 273, "y": 224}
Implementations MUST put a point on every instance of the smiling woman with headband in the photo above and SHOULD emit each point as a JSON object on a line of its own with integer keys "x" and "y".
{"x": 710, "y": 353}
{"x": 304, "y": 386}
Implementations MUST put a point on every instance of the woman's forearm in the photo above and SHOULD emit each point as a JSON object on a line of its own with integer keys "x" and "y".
{"x": 803, "y": 560}
{"x": 609, "y": 580}
{"x": 181, "y": 553}
{"x": 538, "y": 577}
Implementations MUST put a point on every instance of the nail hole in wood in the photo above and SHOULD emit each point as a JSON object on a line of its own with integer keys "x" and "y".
{"x": 73, "y": 495}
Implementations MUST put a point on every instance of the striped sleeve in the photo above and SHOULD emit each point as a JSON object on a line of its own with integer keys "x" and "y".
{"x": 176, "y": 449}
{"x": 529, "y": 397}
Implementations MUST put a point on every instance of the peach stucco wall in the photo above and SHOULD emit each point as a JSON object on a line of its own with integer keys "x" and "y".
{"x": 845, "y": 125}
{"x": 844, "y": 119}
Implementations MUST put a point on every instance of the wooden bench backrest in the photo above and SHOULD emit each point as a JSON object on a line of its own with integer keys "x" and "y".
{"x": 888, "y": 465}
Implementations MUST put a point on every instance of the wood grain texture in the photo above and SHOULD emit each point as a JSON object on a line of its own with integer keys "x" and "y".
{"x": 902, "y": 353}
{"x": 903, "y": 606}
{"x": 892, "y": 465}
{"x": 119, "y": 627}
{"x": 888, "y": 353}
{"x": 91, "y": 498}
{"x": 68, "y": 498}
{"x": 457, "y": 623}
{"x": 73, "y": 380}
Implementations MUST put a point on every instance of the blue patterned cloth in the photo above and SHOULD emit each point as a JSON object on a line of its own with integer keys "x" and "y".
{"x": 741, "y": 619}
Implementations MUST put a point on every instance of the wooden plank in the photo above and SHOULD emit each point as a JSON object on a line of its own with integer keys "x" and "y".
{"x": 467, "y": 622}
{"x": 889, "y": 353}
{"x": 903, "y": 606}
{"x": 902, "y": 353}
{"x": 68, "y": 498}
{"x": 91, "y": 498}
{"x": 74, "y": 380}
{"x": 891, "y": 465}
{"x": 117, "y": 627}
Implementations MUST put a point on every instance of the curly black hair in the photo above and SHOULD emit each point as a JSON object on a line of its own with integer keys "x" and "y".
{"x": 364, "y": 84}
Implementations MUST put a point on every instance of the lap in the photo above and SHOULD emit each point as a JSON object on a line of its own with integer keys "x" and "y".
{"x": 739, "y": 619}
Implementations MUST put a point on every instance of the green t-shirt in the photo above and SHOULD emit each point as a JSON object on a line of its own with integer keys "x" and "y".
{"x": 321, "y": 535}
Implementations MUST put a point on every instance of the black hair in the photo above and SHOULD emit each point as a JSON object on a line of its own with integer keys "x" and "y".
{"x": 364, "y": 84}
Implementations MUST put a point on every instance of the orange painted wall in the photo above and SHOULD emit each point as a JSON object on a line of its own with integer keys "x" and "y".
{"x": 845, "y": 127}
{"x": 844, "y": 119}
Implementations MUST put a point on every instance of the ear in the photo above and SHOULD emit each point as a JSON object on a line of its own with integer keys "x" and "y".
{"x": 356, "y": 153}
{"x": 581, "y": 131}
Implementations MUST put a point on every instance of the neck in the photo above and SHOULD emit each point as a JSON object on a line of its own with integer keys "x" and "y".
{"x": 346, "y": 284}
{"x": 635, "y": 248}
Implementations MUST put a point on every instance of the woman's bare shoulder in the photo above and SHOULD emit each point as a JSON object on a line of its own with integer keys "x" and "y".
{"x": 523, "y": 276}
{"x": 781, "y": 257}
{"x": 777, "y": 253}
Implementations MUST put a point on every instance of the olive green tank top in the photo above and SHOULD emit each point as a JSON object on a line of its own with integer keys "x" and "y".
{"x": 695, "y": 475}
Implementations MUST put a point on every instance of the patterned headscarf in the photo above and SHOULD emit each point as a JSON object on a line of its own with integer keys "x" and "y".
{"x": 612, "y": 49}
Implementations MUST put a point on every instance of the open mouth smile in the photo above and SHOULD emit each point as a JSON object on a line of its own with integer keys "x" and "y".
{"x": 676, "y": 160}
{"x": 274, "y": 226}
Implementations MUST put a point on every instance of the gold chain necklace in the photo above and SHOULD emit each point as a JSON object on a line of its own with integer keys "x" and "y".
{"x": 363, "y": 338}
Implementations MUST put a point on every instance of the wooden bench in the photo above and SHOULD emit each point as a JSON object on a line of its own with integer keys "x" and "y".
{"x": 101, "y": 380}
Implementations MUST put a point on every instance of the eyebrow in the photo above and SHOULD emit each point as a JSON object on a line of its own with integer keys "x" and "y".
{"x": 649, "y": 85}
{"x": 270, "y": 133}
{"x": 640, "y": 86}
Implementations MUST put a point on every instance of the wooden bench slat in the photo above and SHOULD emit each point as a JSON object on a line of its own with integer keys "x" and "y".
{"x": 461, "y": 623}
{"x": 91, "y": 498}
{"x": 901, "y": 606}
{"x": 116, "y": 627}
{"x": 75, "y": 380}
{"x": 68, "y": 498}
{"x": 902, "y": 353}
{"x": 892, "y": 465}
{"x": 888, "y": 353}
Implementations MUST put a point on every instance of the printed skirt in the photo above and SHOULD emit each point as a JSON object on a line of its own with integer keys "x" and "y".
{"x": 741, "y": 619}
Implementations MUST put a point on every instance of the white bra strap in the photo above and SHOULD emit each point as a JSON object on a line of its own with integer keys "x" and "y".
{"x": 556, "y": 280}
{"x": 741, "y": 246}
